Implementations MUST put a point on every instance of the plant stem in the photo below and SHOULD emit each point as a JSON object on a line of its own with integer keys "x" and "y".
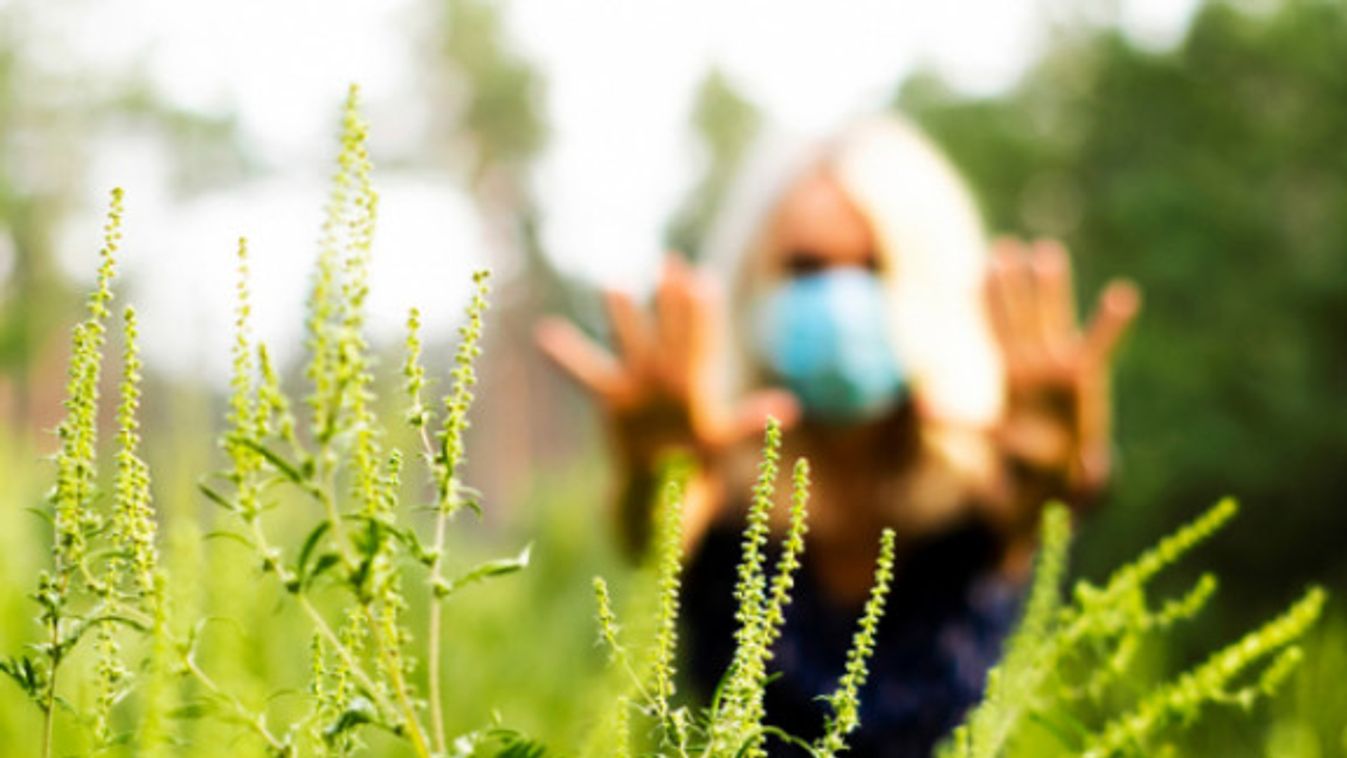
{"x": 433, "y": 635}
{"x": 408, "y": 712}
{"x": 435, "y": 623}
{"x": 47, "y": 715}
{"x": 394, "y": 667}
{"x": 49, "y": 701}
{"x": 256, "y": 721}
{"x": 329, "y": 502}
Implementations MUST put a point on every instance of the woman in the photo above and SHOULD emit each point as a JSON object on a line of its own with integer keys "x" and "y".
{"x": 935, "y": 388}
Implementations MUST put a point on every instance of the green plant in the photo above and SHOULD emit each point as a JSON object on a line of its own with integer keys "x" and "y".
{"x": 1053, "y": 691}
{"x": 362, "y": 544}
{"x": 734, "y": 724}
{"x": 104, "y": 569}
{"x": 316, "y": 493}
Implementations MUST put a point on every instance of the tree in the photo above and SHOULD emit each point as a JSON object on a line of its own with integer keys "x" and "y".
{"x": 1214, "y": 174}
{"x": 725, "y": 122}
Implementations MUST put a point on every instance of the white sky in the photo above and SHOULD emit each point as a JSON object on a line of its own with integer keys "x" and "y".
{"x": 620, "y": 75}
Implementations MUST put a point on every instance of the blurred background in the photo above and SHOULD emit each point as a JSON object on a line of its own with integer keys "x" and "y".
{"x": 1197, "y": 147}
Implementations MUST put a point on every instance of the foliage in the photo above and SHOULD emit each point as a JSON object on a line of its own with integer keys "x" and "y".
{"x": 725, "y": 123}
{"x": 315, "y": 497}
{"x": 1055, "y": 691}
{"x": 104, "y": 570}
{"x": 734, "y": 724}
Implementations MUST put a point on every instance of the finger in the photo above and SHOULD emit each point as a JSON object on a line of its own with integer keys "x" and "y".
{"x": 705, "y": 318}
{"x": 1013, "y": 297}
{"x": 673, "y": 305}
{"x": 997, "y": 312}
{"x": 631, "y": 331}
{"x": 1095, "y": 435}
{"x": 1051, "y": 268}
{"x": 1118, "y": 307}
{"x": 579, "y": 356}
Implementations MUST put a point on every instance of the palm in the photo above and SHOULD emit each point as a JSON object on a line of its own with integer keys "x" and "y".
{"x": 657, "y": 390}
{"x": 1057, "y": 389}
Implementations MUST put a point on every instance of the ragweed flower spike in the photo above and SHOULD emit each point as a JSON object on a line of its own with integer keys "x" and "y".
{"x": 845, "y": 700}
{"x": 460, "y": 397}
{"x": 413, "y": 373}
{"x": 132, "y": 532}
{"x": 76, "y": 462}
{"x": 246, "y": 461}
{"x": 740, "y": 713}
{"x": 778, "y": 597}
{"x": 348, "y": 226}
{"x": 134, "y": 526}
{"x": 607, "y": 619}
{"x": 450, "y": 494}
{"x": 670, "y": 567}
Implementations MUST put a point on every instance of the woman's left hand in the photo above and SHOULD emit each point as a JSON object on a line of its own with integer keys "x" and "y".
{"x": 1058, "y": 408}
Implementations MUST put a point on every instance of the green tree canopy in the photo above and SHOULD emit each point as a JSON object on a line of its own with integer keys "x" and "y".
{"x": 1215, "y": 174}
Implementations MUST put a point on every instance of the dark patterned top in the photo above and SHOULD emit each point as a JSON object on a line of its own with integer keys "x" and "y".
{"x": 946, "y": 618}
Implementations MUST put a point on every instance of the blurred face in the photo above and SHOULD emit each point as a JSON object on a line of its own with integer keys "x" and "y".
{"x": 817, "y": 227}
{"x": 822, "y": 328}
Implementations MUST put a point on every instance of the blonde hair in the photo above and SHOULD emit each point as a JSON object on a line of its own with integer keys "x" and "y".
{"x": 930, "y": 240}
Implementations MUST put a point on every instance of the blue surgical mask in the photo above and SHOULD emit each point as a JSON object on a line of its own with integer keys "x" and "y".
{"x": 826, "y": 337}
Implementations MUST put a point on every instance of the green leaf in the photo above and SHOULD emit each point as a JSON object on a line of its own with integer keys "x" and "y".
{"x": 468, "y": 497}
{"x": 25, "y": 674}
{"x": 291, "y": 471}
{"x": 509, "y": 744}
{"x": 412, "y": 543}
{"x": 193, "y": 710}
{"x": 225, "y": 534}
{"x": 497, "y": 567}
{"x": 359, "y": 711}
{"x": 320, "y": 566}
{"x": 43, "y": 514}
{"x": 310, "y": 542}
{"x": 215, "y": 497}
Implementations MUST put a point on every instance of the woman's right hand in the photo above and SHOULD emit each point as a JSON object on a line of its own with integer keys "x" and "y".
{"x": 658, "y": 392}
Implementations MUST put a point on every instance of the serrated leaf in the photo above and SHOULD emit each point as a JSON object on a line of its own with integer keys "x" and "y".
{"x": 25, "y": 674}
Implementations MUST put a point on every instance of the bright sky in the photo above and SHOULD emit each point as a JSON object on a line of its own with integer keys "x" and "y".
{"x": 619, "y": 75}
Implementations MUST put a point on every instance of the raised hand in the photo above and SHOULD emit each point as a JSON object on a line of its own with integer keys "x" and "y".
{"x": 658, "y": 391}
{"x": 1057, "y": 418}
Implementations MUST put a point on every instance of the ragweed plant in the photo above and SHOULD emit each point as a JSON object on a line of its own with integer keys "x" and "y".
{"x": 111, "y": 660}
{"x": 734, "y": 724}
{"x": 104, "y": 577}
{"x": 1060, "y": 668}
{"x": 363, "y": 542}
